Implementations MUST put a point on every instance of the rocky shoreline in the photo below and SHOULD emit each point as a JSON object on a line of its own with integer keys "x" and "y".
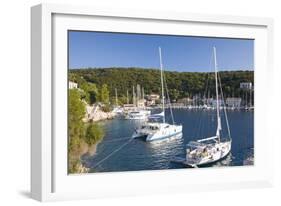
{"x": 94, "y": 113}
{"x": 100, "y": 115}
{"x": 87, "y": 150}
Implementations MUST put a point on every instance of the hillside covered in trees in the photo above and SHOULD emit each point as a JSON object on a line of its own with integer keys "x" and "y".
{"x": 180, "y": 84}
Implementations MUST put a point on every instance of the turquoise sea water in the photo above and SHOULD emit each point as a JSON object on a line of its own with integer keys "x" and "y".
{"x": 118, "y": 152}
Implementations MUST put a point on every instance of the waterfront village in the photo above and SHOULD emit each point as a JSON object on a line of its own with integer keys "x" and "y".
{"x": 141, "y": 102}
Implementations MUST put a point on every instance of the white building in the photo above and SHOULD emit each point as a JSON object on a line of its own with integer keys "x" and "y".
{"x": 233, "y": 102}
{"x": 152, "y": 98}
{"x": 141, "y": 103}
{"x": 72, "y": 85}
{"x": 246, "y": 85}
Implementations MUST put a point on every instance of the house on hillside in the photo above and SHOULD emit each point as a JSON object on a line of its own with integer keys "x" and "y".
{"x": 151, "y": 99}
{"x": 246, "y": 85}
{"x": 72, "y": 85}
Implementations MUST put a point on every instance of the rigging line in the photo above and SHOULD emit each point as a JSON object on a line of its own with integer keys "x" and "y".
{"x": 112, "y": 153}
{"x": 100, "y": 168}
{"x": 168, "y": 96}
{"x": 163, "y": 97}
{"x": 199, "y": 120}
{"x": 101, "y": 146}
{"x": 200, "y": 124}
{"x": 225, "y": 114}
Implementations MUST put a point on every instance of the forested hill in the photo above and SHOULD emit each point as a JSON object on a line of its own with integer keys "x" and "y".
{"x": 180, "y": 84}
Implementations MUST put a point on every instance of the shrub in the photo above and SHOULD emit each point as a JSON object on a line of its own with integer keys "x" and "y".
{"x": 94, "y": 133}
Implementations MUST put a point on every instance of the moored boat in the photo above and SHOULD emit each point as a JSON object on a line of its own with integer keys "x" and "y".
{"x": 156, "y": 131}
{"x": 214, "y": 148}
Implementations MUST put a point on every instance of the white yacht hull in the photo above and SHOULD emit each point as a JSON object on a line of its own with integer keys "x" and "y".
{"x": 220, "y": 150}
{"x": 164, "y": 133}
{"x": 172, "y": 133}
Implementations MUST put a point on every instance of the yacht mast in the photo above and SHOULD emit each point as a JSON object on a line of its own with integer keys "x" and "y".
{"x": 127, "y": 97}
{"x": 116, "y": 98}
{"x": 163, "y": 98}
{"x": 138, "y": 94}
{"x": 217, "y": 96}
{"x": 134, "y": 96}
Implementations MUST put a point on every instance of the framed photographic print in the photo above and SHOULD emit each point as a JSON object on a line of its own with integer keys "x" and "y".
{"x": 137, "y": 102}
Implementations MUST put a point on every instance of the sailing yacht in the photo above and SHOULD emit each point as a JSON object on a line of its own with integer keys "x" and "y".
{"x": 210, "y": 149}
{"x": 118, "y": 110}
{"x": 155, "y": 131}
{"x": 138, "y": 113}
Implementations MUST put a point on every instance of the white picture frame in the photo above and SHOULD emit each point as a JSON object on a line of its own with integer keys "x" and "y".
{"x": 49, "y": 178}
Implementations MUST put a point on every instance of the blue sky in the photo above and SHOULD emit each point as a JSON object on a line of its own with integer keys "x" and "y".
{"x": 179, "y": 53}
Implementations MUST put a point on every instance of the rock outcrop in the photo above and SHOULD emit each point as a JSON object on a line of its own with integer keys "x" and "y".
{"x": 94, "y": 113}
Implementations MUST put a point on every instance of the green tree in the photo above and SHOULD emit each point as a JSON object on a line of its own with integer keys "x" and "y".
{"x": 76, "y": 112}
{"x": 186, "y": 83}
{"x": 90, "y": 92}
{"x": 93, "y": 93}
{"x": 94, "y": 133}
{"x": 174, "y": 94}
{"x": 104, "y": 96}
{"x": 122, "y": 100}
